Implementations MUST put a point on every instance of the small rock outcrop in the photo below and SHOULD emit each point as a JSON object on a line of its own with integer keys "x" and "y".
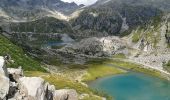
{"x": 14, "y": 86}
{"x": 65, "y": 94}
{"x": 32, "y": 88}
{"x": 15, "y": 74}
{"x": 4, "y": 80}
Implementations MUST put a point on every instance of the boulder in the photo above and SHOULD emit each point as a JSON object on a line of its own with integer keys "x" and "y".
{"x": 65, "y": 94}
{"x": 32, "y": 87}
{"x": 3, "y": 69}
{"x": 49, "y": 91}
{"x": 13, "y": 89}
{"x": 83, "y": 96}
{"x": 15, "y": 74}
{"x": 4, "y": 80}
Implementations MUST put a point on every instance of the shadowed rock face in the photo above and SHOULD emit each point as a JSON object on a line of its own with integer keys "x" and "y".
{"x": 109, "y": 17}
{"x": 161, "y": 4}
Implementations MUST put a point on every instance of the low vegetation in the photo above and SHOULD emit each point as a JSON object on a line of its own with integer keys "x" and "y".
{"x": 96, "y": 71}
{"x": 121, "y": 56}
{"x": 134, "y": 67}
{"x": 61, "y": 82}
{"x": 150, "y": 33}
{"x": 167, "y": 66}
{"x": 104, "y": 67}
{"x": 136, "y": 37}
{"x": 19, "y": 57}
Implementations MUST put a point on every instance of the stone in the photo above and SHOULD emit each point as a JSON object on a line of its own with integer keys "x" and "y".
{"x": 13, "y": 89}
{"x": 15, "y": 74}
{"x": 65, "y": 94}
{"x": 32, "y": 87}
{"x": 50, "y": 89}
{"x": 82, "y": 96}
{"x": 3, "y": 69}
{"x": 4, "y": 80}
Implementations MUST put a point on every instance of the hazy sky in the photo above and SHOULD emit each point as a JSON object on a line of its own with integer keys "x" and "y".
{"x": 85, "y": 2}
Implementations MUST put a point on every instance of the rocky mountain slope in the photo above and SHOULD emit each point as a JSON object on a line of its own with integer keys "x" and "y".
{"x": 100, "y": 19}
{"x": 115, "y": 17}
{"x": 21, "y": 10}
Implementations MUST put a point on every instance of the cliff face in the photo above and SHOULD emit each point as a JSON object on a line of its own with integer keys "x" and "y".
{"x": 109, "y": 17}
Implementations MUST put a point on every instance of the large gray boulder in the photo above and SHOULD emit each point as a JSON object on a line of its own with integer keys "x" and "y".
{"x": 32, "y": 88}
{"x": 65, "y": 94}
{"x": 4, "y": 80}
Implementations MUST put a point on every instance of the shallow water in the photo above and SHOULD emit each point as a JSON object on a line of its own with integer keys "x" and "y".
{"x": 133, "y": 86}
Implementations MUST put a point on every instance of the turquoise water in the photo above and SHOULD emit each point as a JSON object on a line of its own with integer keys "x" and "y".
{"x": 133, "y": 86}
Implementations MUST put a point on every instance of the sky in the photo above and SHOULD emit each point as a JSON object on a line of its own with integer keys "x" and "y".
{"x": 85, "y": 2}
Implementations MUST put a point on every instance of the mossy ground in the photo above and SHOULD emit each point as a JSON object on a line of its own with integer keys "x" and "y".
{"x": 122, "y": 56}
{"x": 136, "y": 67}
{"x": 104, "y": 67}
{"x": 167, "y": 66}
{"x": 96, "y": 71}
{"x": 136, "y": 36}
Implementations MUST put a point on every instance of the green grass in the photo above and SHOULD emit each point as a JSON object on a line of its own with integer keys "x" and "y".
{"x": 122, "y": 56}
{"x": 136, "y": 37}
{"x": 98, "y": 68}
{"x": 136, "y": 68}
{"x": 168, "y": 45}
{"x": 61, "y": 82}
{"x": 167, "y": 66}
{"x": 98, "y": 71}
{"x": 19, "y": 56}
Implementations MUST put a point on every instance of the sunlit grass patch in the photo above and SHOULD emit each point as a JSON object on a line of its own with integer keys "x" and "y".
{"x": 137, "y": 68}
{"x": 61, "y": 82}
{"x": 135, "y": 37}
{"x": 97, "y": 71}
